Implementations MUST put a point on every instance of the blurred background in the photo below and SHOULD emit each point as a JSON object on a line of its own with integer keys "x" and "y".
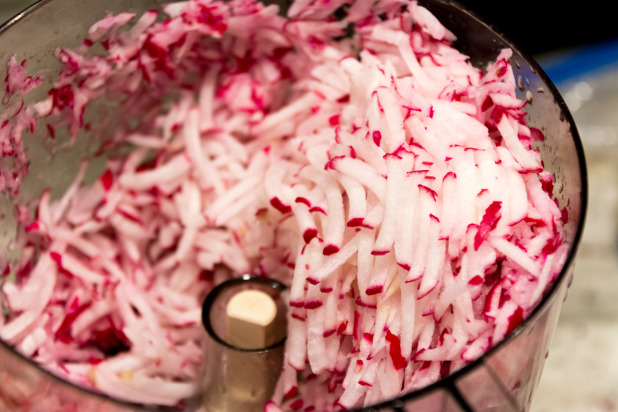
{"x": 577, "y": 46}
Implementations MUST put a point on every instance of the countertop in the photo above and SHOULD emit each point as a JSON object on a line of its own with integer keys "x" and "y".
{"x": 581, "y": 373}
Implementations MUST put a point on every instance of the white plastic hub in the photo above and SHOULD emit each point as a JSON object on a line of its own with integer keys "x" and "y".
{"x": 251, "y": 315}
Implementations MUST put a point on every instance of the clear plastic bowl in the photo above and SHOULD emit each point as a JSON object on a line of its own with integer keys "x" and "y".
{"x": 504, "y": 379}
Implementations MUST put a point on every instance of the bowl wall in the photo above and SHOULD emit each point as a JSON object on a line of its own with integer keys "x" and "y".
{"x": 504, "y": 379}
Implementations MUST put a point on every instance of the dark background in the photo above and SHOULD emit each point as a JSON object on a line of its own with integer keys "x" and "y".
{"x": 535, "y": 26}
{"x": 539, "y": 27}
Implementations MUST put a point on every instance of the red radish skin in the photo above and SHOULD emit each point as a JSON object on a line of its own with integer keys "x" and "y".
{"x": 280, "y": 206}
{"x": 489, "y": 221}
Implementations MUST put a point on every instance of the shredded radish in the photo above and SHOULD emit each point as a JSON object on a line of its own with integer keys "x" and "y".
{"x": 392, "y": 185}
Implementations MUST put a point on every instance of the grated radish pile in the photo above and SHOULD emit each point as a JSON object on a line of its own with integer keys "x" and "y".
{"x": 393, "y": 186}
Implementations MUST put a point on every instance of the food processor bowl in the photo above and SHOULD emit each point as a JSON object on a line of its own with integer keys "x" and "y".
{"x": 503, "y": 379}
